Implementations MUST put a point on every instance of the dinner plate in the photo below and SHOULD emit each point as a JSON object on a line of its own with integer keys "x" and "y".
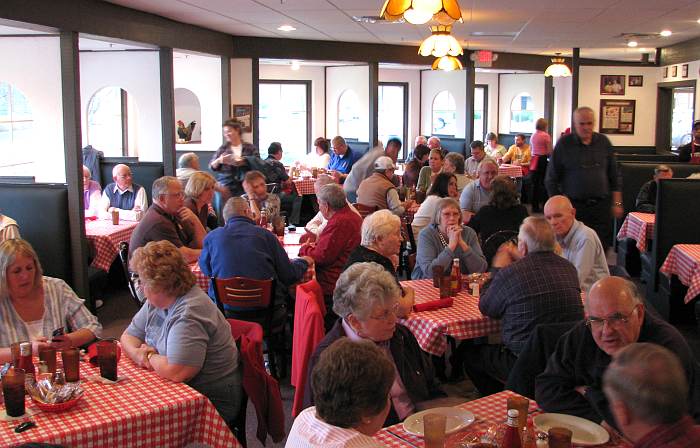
{"x": 585, "y": 432}
{"x": 456, "y": 420}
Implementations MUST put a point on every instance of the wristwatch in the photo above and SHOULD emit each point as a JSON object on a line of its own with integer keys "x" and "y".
{"x": 148, "y": 356}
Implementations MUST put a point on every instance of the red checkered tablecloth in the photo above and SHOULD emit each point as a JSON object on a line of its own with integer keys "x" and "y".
{"x": 106, "y": 238}
{"x": 510, "y": 170}
{"x": 639, "y": 227}
{"x": 462, "y": 320}
{"x": 487, "y": 411}
{"x": 144, "y": 410}
{"x": 683, "y": 260}
{"x": 304, "y": 185}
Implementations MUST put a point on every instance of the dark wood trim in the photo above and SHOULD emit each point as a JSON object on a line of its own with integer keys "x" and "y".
{"x": 405, "y": 86}
{"x": 420, "y": 106}
{"x": 674, "y": 84}
{"x": 109, "y": 20}
{"x": 70, "y": 92}
{"x": 549, "y": 102}
{"x": 255, "y": 118}
{"x": 470, "y": 72}
{"x": 225, "y": 88}
{"x": 498, "y": 106}
{"x": 167, "y": 110}
{"x": 486, "y": 105}
{"x": 680, "y": 53}
{"x": 575, "y": 77}
{"x": 373, "y": 97}
{"x": 124, "y": 98}
{"x": 325, "y": 103}
{"x": 307, "y": 85}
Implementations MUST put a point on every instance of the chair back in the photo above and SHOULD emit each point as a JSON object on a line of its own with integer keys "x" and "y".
{"x": 272, "y": 188}
{"x": 364, "y": 210}
{"x": 493, "y": 242}
{"x": 242, "y": 292}
{"x": 124, "y": 259}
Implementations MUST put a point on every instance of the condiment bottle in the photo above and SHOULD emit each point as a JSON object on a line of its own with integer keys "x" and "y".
{"x": 263, "y": 218}
{"x": 26, "y": 364}
{"x": 455, "y": 278}
{"x": 511, "y": 437}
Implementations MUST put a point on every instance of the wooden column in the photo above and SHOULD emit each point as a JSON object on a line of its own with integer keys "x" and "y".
{"x": 72, "y": 143}
{"x": 373, "y": 68}
{"x": 255, "y": 119}
{"x": 167, "y": 110}
{"x": 469, "y": 106}
{"x": 225, "y": 88}
{"x": 549, "y": 103}
{"x": 575, "y": 64}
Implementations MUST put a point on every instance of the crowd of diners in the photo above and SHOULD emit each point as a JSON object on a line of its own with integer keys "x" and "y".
{"x": 619, "y": 364}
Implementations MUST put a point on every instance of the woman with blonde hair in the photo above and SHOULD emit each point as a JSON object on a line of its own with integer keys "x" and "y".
{"x": 199, "y": 193}
{"x": 179, "y": 332}
{"x": 32, "y": 306}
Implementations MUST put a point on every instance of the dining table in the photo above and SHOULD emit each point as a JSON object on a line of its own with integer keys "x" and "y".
{"x": 488, "y": 411}
{"x": 640, "y": 227}
{"x": 506, "y": 169}
{"x": 683, "y": 261}
{"x": 141, "y": 409}
{"x": 304, "y": 185}
{"x": 462, "y": 320}
{"x": 106, "y": 237}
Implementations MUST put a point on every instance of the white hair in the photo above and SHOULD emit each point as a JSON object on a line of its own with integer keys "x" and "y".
{"x": 378, "y": 225}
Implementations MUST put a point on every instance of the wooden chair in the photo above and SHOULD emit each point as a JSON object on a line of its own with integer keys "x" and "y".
{"x": 253, "y": 300}
{"x": 364, "y": 210}
{"x": 124, "y": 259}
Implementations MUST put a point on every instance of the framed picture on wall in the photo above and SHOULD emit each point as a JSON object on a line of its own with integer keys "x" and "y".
{"x": 684, "y": 70}
{"x": 636, "y": 80}
{"x": 665, "y": 72}
{"x": 617, "y": 116}
{"x": 243, "y": 113}
{"x": 674, "y": 71}
{"x": 612, "y": 84}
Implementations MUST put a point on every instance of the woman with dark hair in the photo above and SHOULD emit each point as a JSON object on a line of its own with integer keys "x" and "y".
{"x": 413, "y": 167}
{"x": 319, "y": 156}
{"x": 234, "y": 159}
{"x": 504, "y": 212}
{"x": 427, "y": 174}
{"x": 445, "y": 185}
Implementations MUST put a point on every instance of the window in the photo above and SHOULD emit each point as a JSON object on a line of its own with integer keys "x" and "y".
{"x": 444, "y": 114}
{"x": 284, "y": 115}
{"x": 110, "y": 114}
{"x": 682, "y": 116}
{"x": 522, "y": 113}
{"x": 16, "y": 130}
{"x": 393, "y": 108}
{"x": 480, "y": 111}
{"x": 349, "y": 115}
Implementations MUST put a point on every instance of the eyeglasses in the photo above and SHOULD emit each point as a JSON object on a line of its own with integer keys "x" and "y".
{"x": 392, "y": 311}
{"x": 178, "y": 195}
{"x": 616, "y": 320}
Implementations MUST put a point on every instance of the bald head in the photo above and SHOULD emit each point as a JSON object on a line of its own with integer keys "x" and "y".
{"x": 560, "y": 214}
{"x": 122, "y": 176}
{"x": 236, "y": 206}
{"x": 434, "y": 143}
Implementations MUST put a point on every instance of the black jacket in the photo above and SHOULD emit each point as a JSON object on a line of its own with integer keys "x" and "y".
{"x": 414, "y": 367}
{"x": 646, "y": 199}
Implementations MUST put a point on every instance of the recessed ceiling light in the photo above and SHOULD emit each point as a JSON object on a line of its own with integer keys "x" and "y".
{"x": 632, "y": 43}
{"x": 698, "y": 20}
{"x": 665, "y": 33}
{"x": 286, "y": 28}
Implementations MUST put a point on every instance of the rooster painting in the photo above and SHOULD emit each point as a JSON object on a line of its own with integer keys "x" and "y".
{"x": 185, "y": 132}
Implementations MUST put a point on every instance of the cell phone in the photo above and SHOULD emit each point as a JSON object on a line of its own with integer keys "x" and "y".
{"x": 57, "y": 332}
{"x": 24, "y": 426}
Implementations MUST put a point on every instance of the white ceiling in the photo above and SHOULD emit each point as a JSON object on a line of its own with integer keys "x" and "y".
{"x": 523, "y": 26}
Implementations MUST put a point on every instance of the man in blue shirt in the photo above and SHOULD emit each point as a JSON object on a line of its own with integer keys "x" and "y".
{"x": 342, "y": 158}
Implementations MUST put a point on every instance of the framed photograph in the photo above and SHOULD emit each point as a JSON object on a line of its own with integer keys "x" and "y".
{"x": 674, "y": 71}
{"x": 684, "y": 71}
{"x": 612, "y": 84}
{"x": 636, "y": 81}
{"x": 617, "y": 116}
{"x": 243, "y": 113}
{"x": 665, "y": 72}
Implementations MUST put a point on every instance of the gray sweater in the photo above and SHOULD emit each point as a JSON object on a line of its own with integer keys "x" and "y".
{"x": 431, "y": 252}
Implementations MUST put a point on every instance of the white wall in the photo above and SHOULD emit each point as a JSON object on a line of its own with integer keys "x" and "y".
{"x": 33, "y": 65}
{"x": 242, "y": 87}
{"x": 433, "y": 82}
{"x": 338, "y": 80}
{"x": 412, "y": 77}
{"x": 139, "y": 74}
{"x": 315, "y": 74}
{"x": 202, "y": 76}
{"x": 562, "y": 106}
{"x": 510, "y": 85}
{"x": 645, "y": 96}
{"x": 491, "y": 80}
{"x": 693, "y": 74}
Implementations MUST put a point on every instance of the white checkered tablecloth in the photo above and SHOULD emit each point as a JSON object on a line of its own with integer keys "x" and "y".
{"x": 488, "y": 411}
{"x": 639, "y": 227}
{"x": 304, "y": 185}
{"x": 106, "y": 238}
{"x": 462, "y": 320}
{"x": 683, "y": 260}
{"x": 144, "y": 410}
{"x": 510, "y": 170}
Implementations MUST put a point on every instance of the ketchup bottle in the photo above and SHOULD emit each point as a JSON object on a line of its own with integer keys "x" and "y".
{"x": 511, "y": 438}
{"x": 455, "y": 278}
{"x": 26, "y": 364}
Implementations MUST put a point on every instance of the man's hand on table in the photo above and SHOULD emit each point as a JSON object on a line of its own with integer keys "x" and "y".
{"x": 307, "y": 237}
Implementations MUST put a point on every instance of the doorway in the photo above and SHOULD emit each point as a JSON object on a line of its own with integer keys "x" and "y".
{"x": 675, "y": 114}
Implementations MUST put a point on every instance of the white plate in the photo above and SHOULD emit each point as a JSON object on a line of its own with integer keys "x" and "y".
{"x": 456, "y": 420}
{"x": 586, "y": 432}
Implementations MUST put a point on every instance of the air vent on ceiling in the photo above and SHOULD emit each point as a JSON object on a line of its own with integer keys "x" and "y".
{"x": 639, "y": 35}
{"x": 492, "y": 34}
{"x": 374, "y": 19}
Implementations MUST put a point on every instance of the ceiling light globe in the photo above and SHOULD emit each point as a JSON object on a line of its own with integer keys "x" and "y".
{"x": 431, "y": 6}
{"x": 632, "y": 43}
{"x": 416, "y": 17}
{"x": 441, "y": 47}
{"x": 666, "y": 33}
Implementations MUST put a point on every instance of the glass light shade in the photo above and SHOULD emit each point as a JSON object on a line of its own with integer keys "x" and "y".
{"x": 557, "y": 69}
{"x": 440, "y": 43}
{"x": 431, "y": 6}
{"x": 447, "y": 63}
{"x": 417, "y": 17}
{"x": 444, "y": 12}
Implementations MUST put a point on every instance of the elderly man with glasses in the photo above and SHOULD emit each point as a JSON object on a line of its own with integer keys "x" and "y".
{"x": 616, "y": 317}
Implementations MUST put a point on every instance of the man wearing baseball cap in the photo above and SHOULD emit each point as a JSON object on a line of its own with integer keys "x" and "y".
{"x": 378, "y": 191}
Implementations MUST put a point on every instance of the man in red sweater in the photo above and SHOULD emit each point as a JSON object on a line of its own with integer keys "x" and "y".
{"x": 333, "y": 246}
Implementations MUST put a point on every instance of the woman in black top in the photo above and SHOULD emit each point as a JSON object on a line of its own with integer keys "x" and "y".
{"x": 504, "y": 212}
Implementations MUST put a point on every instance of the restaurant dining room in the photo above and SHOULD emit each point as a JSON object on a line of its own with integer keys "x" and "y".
{"x": 332, "y": 223}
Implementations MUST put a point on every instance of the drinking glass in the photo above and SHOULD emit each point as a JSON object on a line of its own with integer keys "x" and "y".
{"x": 521, "y": 404}
{"x": 559, "y": 437}
{"x": 13, "y": 392}
{"x": 107, "y": 359}
{"x": 71, "y": 364}
{"x": 434, "y": 430}
{"x": 48, "y": 355}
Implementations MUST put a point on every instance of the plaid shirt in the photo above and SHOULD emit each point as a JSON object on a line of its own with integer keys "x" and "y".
{"x": 540, "y": 288}
{"x": 683, "y": 434}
